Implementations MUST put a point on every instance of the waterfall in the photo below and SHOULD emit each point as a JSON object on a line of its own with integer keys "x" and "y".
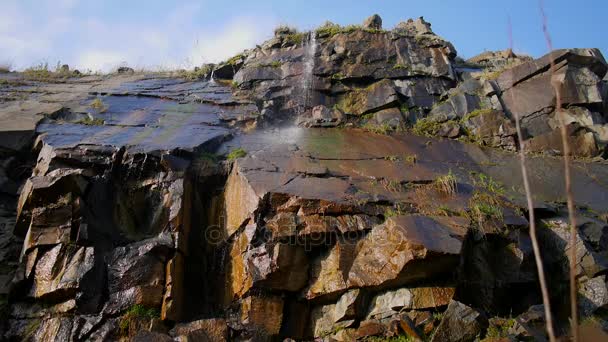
{"x": 212, "y": 78}
{"x": 310, "y": 49}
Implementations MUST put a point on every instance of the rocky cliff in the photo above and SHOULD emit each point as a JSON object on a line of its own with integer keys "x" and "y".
{"x": 349, "y": 183}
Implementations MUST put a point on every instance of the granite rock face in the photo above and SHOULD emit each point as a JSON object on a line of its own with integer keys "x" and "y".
{"x": 351, "y": 182}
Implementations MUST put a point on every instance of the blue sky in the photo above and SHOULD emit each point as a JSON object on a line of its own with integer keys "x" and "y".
{"x": 101, "y": 35}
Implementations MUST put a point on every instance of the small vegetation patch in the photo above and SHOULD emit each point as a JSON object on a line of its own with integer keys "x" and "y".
{"x": 236, "y": 153}
{"x": 378, "y": 129}
{"x": 136, "y": 312}
{"x": 499, "y": 328}
{"x": 236, "y": 59}
{"x": 400, "y": 338}
{"x": 391, "y": 158}
{"x": 43, "y": 73}
{"x": 330, "y": 29}
{"x": 391, "y": 185}
{"x": 198, "y": 72}
{"x": 399, "y": 66}
{"x": 98, "y": 105}
{"x": 273, "y": 64}
{"x": 410, "y": 158}
{"x": 446, "y": 184}
{"x": 487, "y": 202}
{"x": 294, "y": 38}
{"x": 426, "y": 127}
{"x": 91, "y": 121}
{"x": 476, "y": 113}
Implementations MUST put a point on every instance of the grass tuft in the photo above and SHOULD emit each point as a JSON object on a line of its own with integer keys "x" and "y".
{"x": 446, "y": 184}
{"x": 236, "y": 153}
{"x": 136, "y": 311}
{"x": 98, "y": 105}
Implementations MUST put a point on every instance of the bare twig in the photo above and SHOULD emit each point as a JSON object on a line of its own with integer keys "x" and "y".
{"x": 537, "y": 256}
{"x": 557, "y": 84}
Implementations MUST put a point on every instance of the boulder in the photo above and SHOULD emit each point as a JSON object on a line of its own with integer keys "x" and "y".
{"x": 390, "y": 117}
{"x": 582, "y": 142}
{"x": 212, "y": 330}
{"x": 321, "y": 116}
{"x": 459, "y": 323}
{"x": 406, "y": 249}
{"x": 555, "y": 239}
{"x": 390, "y": 303}
{"x": 261, "y": 314}
{"x": 370, "y": 99}
{"x": 374, "y": 22}
{"x": 60, "y": 271}
{"x": 136, "y": 273}
{"x": 592, "y": 296}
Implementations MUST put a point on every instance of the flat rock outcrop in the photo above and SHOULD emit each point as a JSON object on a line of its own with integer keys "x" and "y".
{"x": 348, "y": 183}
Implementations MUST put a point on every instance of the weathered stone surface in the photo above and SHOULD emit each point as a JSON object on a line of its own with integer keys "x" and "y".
{"x": 556, "y": 237}
{"x": 393, "y": 252}
{"x": 136, "y": 273}
{"x": 61, "y": 270}
{"x": 329, "y": 271}
{"x": 257, "y": 313}
{"x": 321, "y": 116}
{"x": 390, "y": 303}
{"x": 581, "y": 141}
{"x": 499, "y": 59}
{"x": 371, "y": 99}
{"x": 212, "y": 330}
{"x": 459, "y": 323}
{"x": 593, "y": 295}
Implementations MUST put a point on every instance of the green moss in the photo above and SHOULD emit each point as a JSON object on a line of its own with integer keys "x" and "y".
{"x": 410, "y": 158}
{"x": 236, "y": 153}
{"x": 236, "y": 59}
{"x": 399, "y": 66}
{"x": 330, "y": 29}
{"x": 400, "y": 338}
{"x": 338, "y": 76}
{"x": 476, "y": 113}
{"x": 294, "y": 38}
{"x": 136, "y": 311}
{"x": 378, "y": 129}
{"x": 91, "y": 122}
{"x": 234, "y": 85}
{"x": 273, "y": 64}
{"x": 391, "y": 158}
{"x": 31, "y": 328}
{"x": 488, "y": 184}
{"x": 499, "y": 328}
{"x": 426, "y": 127}
{"x": 352, "y": 102}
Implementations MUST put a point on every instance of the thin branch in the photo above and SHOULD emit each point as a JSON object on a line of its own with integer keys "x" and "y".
{"x": 535, "y": 247}
{"x": 557, "y": 85}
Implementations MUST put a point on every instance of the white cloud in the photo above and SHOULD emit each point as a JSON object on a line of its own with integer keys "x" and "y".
{"x": 239, "y": 34}
{"x": 183, "y": 38}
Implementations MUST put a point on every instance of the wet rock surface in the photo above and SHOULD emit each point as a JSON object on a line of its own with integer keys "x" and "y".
{"x": 350, "y": 183}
